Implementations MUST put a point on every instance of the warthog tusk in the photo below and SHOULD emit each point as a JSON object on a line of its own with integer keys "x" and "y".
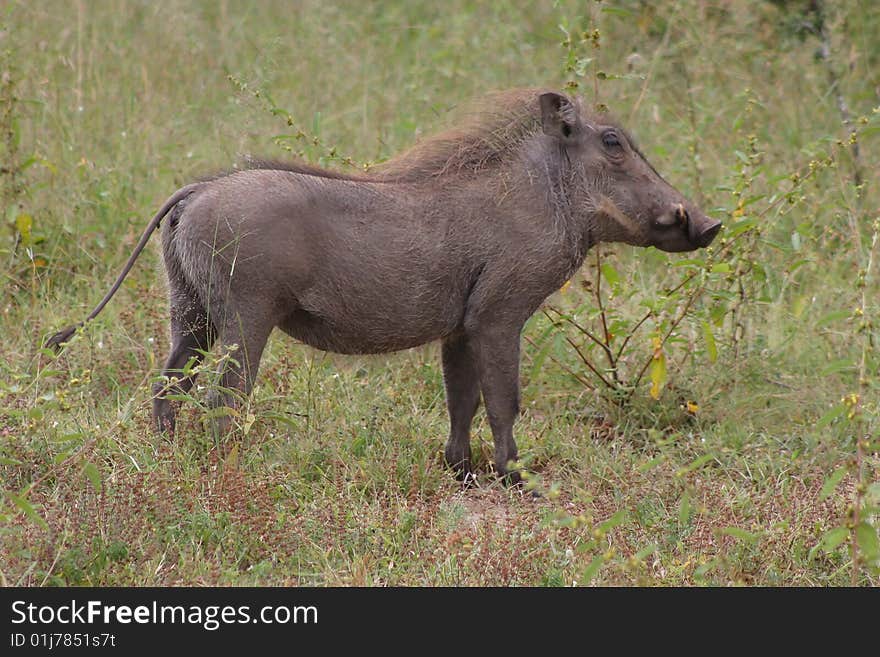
{"x": 681, "y": 214}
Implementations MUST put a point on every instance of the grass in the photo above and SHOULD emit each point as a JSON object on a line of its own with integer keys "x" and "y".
{"x": 334, "y": 475}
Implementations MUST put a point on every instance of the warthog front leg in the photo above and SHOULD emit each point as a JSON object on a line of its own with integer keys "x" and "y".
{"x": 462, "y": 398}
{"x": 496, "y": 349}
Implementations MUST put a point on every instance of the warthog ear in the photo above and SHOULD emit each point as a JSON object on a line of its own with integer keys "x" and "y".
{"x": 559, "y": 116}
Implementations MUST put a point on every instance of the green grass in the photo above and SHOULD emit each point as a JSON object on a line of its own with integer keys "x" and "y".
{"x": 334, "y": 474}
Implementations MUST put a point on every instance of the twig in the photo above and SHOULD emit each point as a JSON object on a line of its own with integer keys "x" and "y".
{"x": 857, "y": 400}
{"x": 695, "y": 142}
{"x": 656, "y": 58}
{"x": 582, "y": 329}
{"x": 821, "y": 29}
{"x": 587, "y": 362}
{"x": 565, "y": 368}
{"x": 678, "y": 320}
{"x": 632, "y": 332}
{"x": 605, "y": 333}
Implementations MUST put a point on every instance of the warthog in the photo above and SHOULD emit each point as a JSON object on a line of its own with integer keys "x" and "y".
{"x": 460, "y": 239}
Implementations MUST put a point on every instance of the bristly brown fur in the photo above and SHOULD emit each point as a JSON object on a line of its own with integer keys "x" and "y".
{"x": 485, "y": 132}
{"x": 295, "y": 166}
{"x": 490, "y": 129}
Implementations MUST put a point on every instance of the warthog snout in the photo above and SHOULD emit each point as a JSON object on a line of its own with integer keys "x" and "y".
{"x": 701, "y": 229}
{"x": 680, "y": 219}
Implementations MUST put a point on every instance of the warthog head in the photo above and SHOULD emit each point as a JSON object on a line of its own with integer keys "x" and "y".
{"x": 611, "y": 178}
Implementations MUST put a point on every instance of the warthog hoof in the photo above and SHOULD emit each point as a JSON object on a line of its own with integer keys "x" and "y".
{"x": 163, "y": 417}
{"x": 512, "y": 479}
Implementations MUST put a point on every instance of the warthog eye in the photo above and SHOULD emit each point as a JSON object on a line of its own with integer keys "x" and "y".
{"x": 610, "y": 139}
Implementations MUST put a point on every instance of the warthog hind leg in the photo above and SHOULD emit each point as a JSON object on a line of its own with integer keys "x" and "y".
{"x": 191, "y": 334}
{"x": 239, "y": 372}
{"x": 462, "y": 399}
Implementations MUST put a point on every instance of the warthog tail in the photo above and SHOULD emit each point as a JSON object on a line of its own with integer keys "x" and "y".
{"x": 58, "y": 340}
